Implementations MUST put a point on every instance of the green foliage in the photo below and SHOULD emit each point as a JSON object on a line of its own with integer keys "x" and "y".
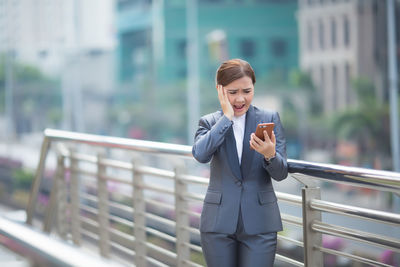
{"x": 367, "y": 124}
{"x": 23, "y": 179}
{"x": 365, "y": 91}
{"x": 26, "y": 73}
{"x": 299, "y": 79}
{"x": 158, "y": 112}
{"x": 36, "y": 98}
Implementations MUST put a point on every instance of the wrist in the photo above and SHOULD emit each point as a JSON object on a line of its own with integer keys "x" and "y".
{"x": 269, "y": 157}
{"x": 229, "y": 116}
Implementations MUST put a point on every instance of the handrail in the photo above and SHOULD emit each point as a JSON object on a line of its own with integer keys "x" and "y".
{"x": 118, "y": 142}
{"x": 386, "y": 180}
{"x": 372, "y": 215}
{"x": 58, "y": 253}
{"x": 305, "y": 172}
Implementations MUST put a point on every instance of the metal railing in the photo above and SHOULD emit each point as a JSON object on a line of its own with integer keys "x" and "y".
{"x": 86, "y": 210}
{"x": 41, "y": 250}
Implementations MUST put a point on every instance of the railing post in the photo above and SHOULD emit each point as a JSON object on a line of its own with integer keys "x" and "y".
{"x": 103, "y": 208}
{"x": 182, "y": 218}
{"x": 62, "y": 226}
{"x": 139, "y": 216}
{"x": 30, "y": 208}
{"x": 312, "y": 257}
{"x": 52, "y": 205}
{"x": 75, "y": 199}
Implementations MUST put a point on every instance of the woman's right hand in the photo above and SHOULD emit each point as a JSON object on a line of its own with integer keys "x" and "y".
{"x": 224, "y": 101}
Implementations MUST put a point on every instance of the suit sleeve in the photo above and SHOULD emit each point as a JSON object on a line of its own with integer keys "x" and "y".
{"x": 208, "y": 138}
{"x": 278, "y": 168}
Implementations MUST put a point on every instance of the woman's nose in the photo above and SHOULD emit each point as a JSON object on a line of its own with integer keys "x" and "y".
{"x": 239, "y": 98}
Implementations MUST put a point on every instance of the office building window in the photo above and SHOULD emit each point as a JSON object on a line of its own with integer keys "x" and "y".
{"x": 333, "y": 33}
{"x": 322, "y": 78}
{"x": 211, "y": 1}
{"x": 278, "y": 47}
{"x": 42, "y": 54}
{"x": 334, "y": 87}
{"x": 247, "y": 48}
{"x": 276, "y": 1}
{"x": 347, "y": 83}
{"x": 122, "y": 4}
{"x": 181, "y": 72}
{"x": 181, "y": 48}
{"x": 309, "y": 36}
{"x": 346, "y": 31}
{"x": 321, "y": 34}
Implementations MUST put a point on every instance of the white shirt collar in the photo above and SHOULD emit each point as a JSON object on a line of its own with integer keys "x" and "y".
{"x": 238, "y": 131}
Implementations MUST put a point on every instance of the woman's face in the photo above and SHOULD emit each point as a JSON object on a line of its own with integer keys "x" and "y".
{"x": 240, "y": 94}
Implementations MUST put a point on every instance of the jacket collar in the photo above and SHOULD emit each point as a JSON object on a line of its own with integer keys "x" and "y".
{"x": 247, "y": 154}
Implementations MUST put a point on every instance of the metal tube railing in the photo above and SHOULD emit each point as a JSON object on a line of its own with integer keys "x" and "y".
{"x": 373, "y": 215}
{"x": 376, "y": 179}
{"x": 54, "y": 251}
{"x": 305, "y": 172}
{"x": 361, "y": 236}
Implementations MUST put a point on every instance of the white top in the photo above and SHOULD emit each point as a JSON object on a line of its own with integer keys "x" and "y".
{"x": 238, "y": 130}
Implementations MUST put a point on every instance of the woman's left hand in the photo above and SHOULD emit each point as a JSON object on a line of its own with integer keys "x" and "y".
{"x": 265, "y": 148}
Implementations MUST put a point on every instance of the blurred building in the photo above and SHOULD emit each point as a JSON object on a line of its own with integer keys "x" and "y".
{"x": 153, "y": 37}
{"x": 31, "y": 31}
{"x": 70, "y": 40}
{"x": 41, "y": 32}
{"x": 341, "y": 40}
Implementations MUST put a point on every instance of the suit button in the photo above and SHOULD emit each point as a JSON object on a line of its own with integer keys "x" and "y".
{"x": 239, "y": 183}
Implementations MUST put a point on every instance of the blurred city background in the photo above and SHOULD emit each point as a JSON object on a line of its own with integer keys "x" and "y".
{"x": 124, "y": 68}
{"x": 145, "y": 69}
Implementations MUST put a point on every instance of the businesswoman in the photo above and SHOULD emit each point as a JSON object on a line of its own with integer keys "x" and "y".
{"x": 240, "y": 217}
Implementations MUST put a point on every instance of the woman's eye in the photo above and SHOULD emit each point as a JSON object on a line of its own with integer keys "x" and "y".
{"x": 247, "y": 91}
{"x": 232, "y": 92}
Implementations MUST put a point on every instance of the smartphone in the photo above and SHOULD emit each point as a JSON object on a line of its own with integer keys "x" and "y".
{"x": 269, "y": 127}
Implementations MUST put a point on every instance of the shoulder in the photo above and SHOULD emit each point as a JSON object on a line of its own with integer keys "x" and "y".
{"x": 212, "y": 118}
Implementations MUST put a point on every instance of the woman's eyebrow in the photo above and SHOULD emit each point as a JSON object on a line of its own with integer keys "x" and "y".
{"x": 233, "y": 89}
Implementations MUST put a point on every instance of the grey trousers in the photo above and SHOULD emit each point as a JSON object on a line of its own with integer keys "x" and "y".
{"x": 239, "y": 249}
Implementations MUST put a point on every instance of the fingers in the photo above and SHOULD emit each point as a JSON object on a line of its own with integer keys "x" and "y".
{"x": 221, "y": 95}
{"x": 225, "y": 95}
{"x": 266, "y": 136}
{"x": 273, "y": 138}
{"x": 219, "y": 90}
{"x": 255, "y": 142}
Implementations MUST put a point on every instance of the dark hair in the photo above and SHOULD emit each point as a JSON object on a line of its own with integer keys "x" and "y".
{"x": 234, "y": 69}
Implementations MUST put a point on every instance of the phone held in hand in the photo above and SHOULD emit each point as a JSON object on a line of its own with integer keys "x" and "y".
{"x": 269, "y": 127}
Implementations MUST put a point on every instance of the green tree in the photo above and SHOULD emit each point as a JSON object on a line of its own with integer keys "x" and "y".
{"x": 367, "y": 124}
{"x": 36, "y": 98}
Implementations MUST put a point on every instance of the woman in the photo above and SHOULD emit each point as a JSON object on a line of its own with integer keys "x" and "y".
{"x": 240, "y": 217}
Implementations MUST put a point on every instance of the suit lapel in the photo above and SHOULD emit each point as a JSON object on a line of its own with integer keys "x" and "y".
{"x": 231, "y": 152}
{"x": 248, "y": 153}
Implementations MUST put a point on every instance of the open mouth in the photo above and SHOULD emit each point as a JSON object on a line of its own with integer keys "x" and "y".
{"x": 239, "y": 107}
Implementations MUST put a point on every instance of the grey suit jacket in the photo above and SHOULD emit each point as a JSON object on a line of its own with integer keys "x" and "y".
{"x": 233, "y": 185}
